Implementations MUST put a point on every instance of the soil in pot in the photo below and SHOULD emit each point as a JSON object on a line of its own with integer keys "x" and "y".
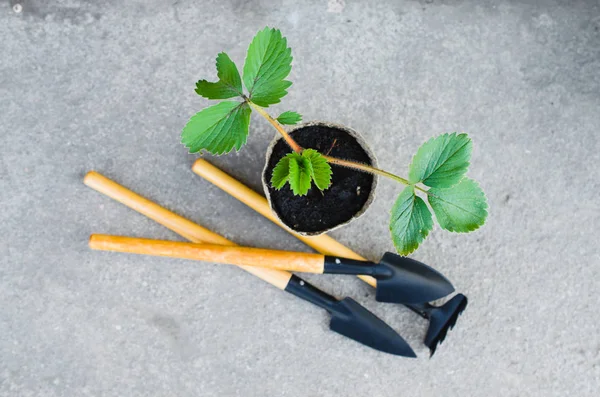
{"x": 349, "y": 190}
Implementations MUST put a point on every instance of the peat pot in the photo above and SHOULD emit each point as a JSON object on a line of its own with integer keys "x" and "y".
{"x": 351, "y": 191}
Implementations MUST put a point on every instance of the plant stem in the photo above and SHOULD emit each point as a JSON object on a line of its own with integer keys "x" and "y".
{"x": 365, "y": 168}
{"x": 369, "y": 169}
{"x": 332, "y": 160}
{"x": 295, "y": 147}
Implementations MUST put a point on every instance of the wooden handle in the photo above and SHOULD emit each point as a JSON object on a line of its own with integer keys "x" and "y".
{"x": 322, "y": 243}
{"x": 176, "y": 223}
{"x": 227, "y": 255}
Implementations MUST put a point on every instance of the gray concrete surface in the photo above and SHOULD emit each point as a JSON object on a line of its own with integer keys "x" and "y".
{"x": 108, "y": 85}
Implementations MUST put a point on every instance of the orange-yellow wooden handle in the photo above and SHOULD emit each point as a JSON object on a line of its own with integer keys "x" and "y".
{"x": 322, "y": 243}
{"x": 176, "y": 223}
{"x": 241, "y": 256}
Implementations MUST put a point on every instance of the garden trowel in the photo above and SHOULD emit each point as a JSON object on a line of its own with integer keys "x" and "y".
{"x": 399, "y": 279}
{"x": 353, "y": 320}
{"x": 348, "y": 317}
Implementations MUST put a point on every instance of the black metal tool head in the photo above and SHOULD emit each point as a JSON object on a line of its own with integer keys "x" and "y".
{"x": 351, "y": 319}
{"x": 405, "y": 280}
{"x": 441, "y": 319}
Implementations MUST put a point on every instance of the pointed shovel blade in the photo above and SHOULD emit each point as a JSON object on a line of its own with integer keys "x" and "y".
{"x": 410, "y": 281}
{"x": 351, "y": 319}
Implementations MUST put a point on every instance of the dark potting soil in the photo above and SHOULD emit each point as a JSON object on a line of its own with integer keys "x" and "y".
{"x": 347, "y": 194}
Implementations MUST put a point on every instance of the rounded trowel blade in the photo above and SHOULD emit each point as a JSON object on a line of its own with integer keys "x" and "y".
{"x": 410, "y": 281}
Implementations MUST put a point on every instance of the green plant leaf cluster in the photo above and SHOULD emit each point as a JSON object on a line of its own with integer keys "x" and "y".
{"x": 299, "y": 170}
{"x": 458, "y": 202}
{"x": 438, "y": 169}
{"x": 222, "y": 127}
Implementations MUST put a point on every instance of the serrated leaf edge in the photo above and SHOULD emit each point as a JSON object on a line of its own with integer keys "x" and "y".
{"x": 429, "y": 141}
{"x": 240, "y": 93}
{"x": 427, "y": 231}
{"x": 236, "y": 69}
{"x": 485, "y": 209}
{"x": 287, "y": 178}
{"x": 291, "y": 112}
{"x": 236, "y": 147}
{"x": 308, "y": 153}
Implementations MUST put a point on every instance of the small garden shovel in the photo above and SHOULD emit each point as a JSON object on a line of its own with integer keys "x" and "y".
{"x": 399, "y": 279}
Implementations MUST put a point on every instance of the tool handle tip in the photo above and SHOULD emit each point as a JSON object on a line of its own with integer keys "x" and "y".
{"x": 95, "y": 241}
{"x": 90, "y": 178}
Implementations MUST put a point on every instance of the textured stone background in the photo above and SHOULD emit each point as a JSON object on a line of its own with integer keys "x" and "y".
{"x": 108, "y": 85}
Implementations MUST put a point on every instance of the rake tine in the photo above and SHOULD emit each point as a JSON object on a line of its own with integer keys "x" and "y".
{"x": 441, "y": 319}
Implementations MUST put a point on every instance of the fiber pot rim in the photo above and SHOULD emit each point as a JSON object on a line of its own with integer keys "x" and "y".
{"x": 361, "y": 141}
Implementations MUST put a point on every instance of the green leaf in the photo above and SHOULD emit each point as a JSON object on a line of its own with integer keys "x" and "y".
{"x": 281, "y": 173}
{"x": 441, "y": 161}
{"x": 410, "y": 222}
{"x": 300, "y": 170}
{"x": 300, "y": 174}
{"x": 268, "y": 62}
{"x": 289, "y": 118}
{"x": 229, "y": 84}
{"x": 321, "y": 170}
{"x": 218, "y": 128}
{"x": 460, "y": 208}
